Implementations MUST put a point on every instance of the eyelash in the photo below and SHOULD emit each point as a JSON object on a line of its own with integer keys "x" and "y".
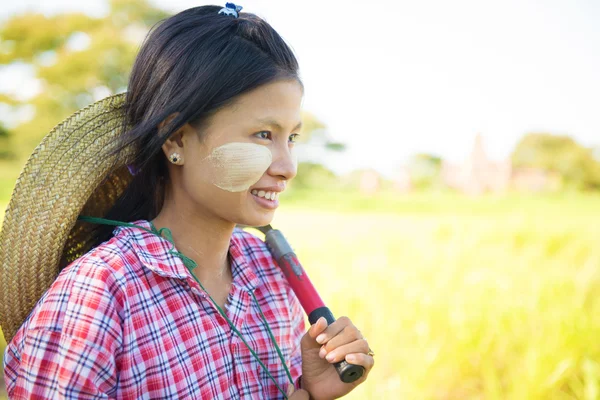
{"x": 294, "y": 135}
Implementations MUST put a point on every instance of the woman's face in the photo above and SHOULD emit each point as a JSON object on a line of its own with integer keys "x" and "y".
{"x": 235, "y": 168}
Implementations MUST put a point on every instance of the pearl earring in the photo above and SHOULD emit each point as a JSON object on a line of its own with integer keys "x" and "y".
{"x": 175, "y": 158}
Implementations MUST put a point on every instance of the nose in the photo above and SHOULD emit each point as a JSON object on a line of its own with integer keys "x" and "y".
{"x": 285, "y": 162}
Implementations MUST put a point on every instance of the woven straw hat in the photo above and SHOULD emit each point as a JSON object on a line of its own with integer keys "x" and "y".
{"x": 71, "y": 172}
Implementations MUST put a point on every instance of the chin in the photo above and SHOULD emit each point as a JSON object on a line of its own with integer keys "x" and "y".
{"x": 257, "y": 220}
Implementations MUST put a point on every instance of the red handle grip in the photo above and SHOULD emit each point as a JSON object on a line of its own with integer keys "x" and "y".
{"x": 300, "y": 283}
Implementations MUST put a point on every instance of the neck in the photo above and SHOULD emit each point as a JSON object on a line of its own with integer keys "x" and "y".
{"x": 203, "y": 238}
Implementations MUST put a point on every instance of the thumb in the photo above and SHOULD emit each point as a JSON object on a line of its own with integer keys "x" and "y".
{"x": 299, "y": 394}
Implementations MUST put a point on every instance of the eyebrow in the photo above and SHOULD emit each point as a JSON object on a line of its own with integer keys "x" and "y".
{"x": 275, "y": 124}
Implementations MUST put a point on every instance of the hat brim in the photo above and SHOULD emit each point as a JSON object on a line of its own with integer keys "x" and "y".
{"x": 71, "y": 171}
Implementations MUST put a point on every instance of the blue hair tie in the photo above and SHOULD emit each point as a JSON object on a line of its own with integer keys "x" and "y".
{"x": 231, "y": 9}
{"x": 132, "y": 169}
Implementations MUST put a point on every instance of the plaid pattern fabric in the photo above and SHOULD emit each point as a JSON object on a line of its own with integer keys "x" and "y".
{"x": 128, "y": 321}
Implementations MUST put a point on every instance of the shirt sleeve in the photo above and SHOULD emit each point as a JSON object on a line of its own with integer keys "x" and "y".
{"x": 68, "y": 346}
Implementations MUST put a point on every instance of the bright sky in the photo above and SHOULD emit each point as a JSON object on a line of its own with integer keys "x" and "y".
{"x": 392, "y": 78}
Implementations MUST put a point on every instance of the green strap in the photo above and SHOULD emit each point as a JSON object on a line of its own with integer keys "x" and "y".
{"x": 273, "y": 339}
{"x": 191, "y": 264}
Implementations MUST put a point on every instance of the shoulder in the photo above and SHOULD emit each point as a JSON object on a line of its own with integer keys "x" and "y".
{"x": 91, "y": 288}
{"x": 74, "y": 330}
{"x": 106, "y": 264}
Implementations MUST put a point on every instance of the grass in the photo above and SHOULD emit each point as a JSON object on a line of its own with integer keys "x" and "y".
{"x": 460, "y": 298}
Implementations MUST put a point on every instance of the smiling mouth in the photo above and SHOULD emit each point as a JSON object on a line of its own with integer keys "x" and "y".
{"x": 273, "y": 196}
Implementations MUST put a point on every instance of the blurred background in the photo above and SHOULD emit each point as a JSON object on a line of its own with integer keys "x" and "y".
{"x": 448, "y": 194}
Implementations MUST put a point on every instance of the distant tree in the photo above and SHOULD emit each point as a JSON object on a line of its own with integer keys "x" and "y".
{"x": 576, "y": 164}
{"x": 76, "y": 58}
{"x": 311, "y": 124}
{"x": 311, "y": 173}
{"x": 425, "y": 170}
{"x": 5, "y": 150}
{"x": 315, "y": 132}
{"x": 313, "y": 176}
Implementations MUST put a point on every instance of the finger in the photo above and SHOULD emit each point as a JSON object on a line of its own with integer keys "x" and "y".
{"x": 308, "y": 340}
{"x": 339, "y": 353}
{"x": 317, "y": 328}
{"x": 362, "y": 359}
{"x": 348, "y": 335}
{"x": 333, "y": 329}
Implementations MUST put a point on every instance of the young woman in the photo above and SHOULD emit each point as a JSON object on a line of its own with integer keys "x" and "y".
{"x": 175, "y": 302}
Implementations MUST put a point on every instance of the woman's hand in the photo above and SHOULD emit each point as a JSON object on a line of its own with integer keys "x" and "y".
{"x": 322, "y": 346}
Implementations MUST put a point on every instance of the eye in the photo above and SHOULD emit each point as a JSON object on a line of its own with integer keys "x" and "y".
{"x": 263, "y": 135}
{"x": 294, "y": 137}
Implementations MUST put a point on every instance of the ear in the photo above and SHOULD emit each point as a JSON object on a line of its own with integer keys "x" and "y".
{"x": 174, "y": 143}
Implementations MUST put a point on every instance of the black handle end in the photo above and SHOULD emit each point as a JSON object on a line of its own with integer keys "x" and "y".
{"x": 349, "y": 372}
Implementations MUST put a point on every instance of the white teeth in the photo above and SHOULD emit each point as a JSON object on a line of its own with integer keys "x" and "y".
{"x": 267, "y": 195}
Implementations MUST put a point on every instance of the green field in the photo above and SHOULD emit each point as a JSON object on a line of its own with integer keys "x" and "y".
{"x": 460, "y": 298}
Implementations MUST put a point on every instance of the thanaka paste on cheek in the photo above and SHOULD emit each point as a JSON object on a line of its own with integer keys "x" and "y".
{"x": 237, "y": 166}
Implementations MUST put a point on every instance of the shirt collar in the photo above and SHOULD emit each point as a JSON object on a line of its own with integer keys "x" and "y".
{"x": 242, "y": 272}
{"x": 154, "y": 253}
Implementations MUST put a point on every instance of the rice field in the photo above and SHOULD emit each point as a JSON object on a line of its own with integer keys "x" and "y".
{"x": 460, "y": 298}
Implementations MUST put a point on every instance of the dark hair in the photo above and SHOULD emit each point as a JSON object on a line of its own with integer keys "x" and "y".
{"x": 193, "y": 63}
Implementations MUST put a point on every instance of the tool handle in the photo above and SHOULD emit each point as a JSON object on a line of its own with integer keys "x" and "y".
{"x": 310, "y": 300}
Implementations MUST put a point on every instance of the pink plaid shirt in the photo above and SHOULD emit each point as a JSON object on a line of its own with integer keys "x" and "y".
{"x": 128, "y": 321}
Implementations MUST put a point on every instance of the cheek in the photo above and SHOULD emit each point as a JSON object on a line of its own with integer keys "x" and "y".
{"x": 235, "y": 167}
